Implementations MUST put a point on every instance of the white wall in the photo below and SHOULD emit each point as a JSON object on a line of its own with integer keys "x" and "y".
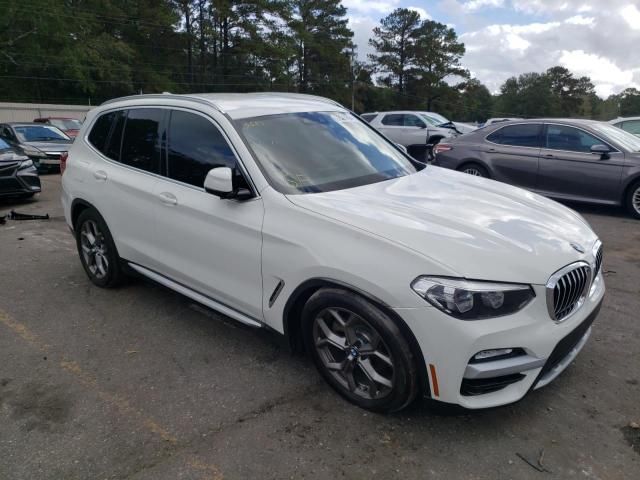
{"x": 26, "y": 112}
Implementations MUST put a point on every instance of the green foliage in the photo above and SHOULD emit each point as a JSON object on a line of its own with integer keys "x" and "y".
{"x": 74, "y": 51}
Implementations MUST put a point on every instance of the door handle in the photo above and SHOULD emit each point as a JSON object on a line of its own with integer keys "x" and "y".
{"x": 100, "y": 175}
{"x": 168, "y": 198}
{"x": 549, "y": 155}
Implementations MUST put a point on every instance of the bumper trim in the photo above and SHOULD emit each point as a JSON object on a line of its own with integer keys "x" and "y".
{"x": 551, "y": 375}
{"x": 503, "y": 367}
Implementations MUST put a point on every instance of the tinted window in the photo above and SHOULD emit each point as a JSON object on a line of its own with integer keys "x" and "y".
{"x": 141, "y": 142}
{"x": 114, "y": 144}
{"x": 4, "y": 145}
{"x": 100, "y": 131}
{"x": 524, "y": 135}
{"x": 632, "y": 126}
{"x": 368, "y": 117}
{"x": 195, "y": 147}
{"x": 394, "y": 120}
{"x": 413, "y": 121}
{"x": 562, "y": 137}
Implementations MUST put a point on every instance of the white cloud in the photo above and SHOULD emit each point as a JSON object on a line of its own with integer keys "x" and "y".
{"x": 582, "y": 42}
{"x": 605, "y": 74}
{"x": 632, "y": 16}
{"x": 473, "y": 5}
{"x": 368, "y": 7}
{"x": 422, "y": 12}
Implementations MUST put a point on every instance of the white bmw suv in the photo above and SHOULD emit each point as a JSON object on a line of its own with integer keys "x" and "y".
{"x": 289, "y": 212}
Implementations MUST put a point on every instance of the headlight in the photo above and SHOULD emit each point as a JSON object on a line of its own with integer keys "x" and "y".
{"x": 33, "y": 152}
{"x": 472, "y": 300}
{"x": 25, "y": 164}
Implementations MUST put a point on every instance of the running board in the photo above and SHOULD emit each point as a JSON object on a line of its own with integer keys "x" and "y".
{"x": 193, "y": 295}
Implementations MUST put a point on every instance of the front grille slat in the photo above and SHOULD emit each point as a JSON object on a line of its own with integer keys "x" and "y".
{"x": 599, "y": 256}
{"x": 569, "y": 291}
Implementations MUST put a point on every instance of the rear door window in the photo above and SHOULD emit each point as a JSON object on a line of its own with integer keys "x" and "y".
{"x": 564, "y": 137}
{"x": 393, "y": 120}
{"x": 195, "y": 146}
{"x": 100, "y": 131}
{"x": 141, "y": 139}
{"x": 114, "y": 143}
{"x": 522, "y": 135}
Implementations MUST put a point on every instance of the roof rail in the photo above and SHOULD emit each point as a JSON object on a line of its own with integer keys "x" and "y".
{"x": 298, "y": 95}
{"x": 165, "y": 95}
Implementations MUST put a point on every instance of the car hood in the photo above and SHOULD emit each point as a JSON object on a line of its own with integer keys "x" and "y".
{"x": 50, "y": 146}
{"x": 7, "y": 156}
{"x": 475, "y": 227}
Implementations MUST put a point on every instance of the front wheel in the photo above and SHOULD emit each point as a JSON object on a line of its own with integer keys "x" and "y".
{"x": 633, "y": 200}
{"x": 359, "y": 350}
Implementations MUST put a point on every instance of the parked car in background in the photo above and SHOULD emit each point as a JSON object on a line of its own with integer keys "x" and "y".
{"x": 289, "y": 212}
{"x": 629, "y": 124}
{"x": 18, "y": 175}
{"x": 70, "y": 126}
{"x": 581, "y": 160}
{"x": 410, "y": 129}
{"x": 42, "y": 143}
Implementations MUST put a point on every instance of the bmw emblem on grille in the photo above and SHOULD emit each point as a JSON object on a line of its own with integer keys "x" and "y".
{"x": 577, "y": 247}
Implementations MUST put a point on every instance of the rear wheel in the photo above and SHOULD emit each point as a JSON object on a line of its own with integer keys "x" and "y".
{"x": 474, "y": 169}
{"x": 97, "y": 250}
{"x": 633, "y": 200}
{"x": 359, "y": 350}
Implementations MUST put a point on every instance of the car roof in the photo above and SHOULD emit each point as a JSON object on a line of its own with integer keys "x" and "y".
{"x": 245, "y": 105}
{"x": 575, "y": 121}
{"x": 56, "y": 118}
{"x": 23, "y": 124}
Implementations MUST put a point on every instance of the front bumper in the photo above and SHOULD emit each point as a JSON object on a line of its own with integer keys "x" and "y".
{"x": 547, "y": 349}
{"x": 15, "y": 181}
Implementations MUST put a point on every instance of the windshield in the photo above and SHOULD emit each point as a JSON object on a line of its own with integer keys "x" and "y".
{"x": 437, "y": 117}
{"x": 39, "y": 133}
{"x": 65, "y": 123}
{"x": 431, "y": 120}
{"x": 625, "y": 139}
{"x": 321, "y": 151}
{"x": 3, "y": 145}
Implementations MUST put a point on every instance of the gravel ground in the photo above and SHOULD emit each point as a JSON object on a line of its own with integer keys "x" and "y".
{"x": 140, "y": 383}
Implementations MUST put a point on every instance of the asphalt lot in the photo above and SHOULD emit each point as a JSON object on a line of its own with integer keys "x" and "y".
{"x": 140, "y": 383}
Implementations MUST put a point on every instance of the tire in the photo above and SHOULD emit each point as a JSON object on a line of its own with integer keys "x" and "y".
{"x": 99, "y": 257}
{"x": 474, "y": 169}
{"x": 359, "y": 350}
{"x": 632, "y": 200}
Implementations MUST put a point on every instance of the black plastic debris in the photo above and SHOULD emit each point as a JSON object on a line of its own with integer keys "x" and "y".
{"x": 13, "y": 215}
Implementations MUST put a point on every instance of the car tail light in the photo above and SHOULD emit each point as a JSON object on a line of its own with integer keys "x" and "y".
{"x": 442, "y": 147}
{"x": 63, "y": 162}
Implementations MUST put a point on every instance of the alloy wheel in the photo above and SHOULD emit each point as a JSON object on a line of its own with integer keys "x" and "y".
{"x": 94, "y": 249}
{"x": 635, "y": 200}
{"x": 354, "y": 353}
{"x": 473, "y": 171}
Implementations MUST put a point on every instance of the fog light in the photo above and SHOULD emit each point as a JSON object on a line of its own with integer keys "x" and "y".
{"x": 496, "y": 352}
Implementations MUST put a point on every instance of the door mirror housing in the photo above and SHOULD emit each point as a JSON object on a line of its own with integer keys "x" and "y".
{"x": 219, "y": 182}
{"x": 601, "y": 150}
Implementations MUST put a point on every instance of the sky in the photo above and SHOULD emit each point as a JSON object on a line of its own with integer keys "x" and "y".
{"x": 503, "y": 38}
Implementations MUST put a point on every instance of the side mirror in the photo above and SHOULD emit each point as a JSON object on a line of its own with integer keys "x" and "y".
{"x": 601, "y": 150}
{"x": 219, "y": 182}
{"x": 423, "y": 126}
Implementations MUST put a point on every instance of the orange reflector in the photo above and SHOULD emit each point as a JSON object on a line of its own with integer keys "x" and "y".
{"x": 434, "y": 380}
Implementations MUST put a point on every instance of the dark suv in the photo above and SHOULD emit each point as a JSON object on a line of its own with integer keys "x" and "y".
{"x": 580, "y": 160}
